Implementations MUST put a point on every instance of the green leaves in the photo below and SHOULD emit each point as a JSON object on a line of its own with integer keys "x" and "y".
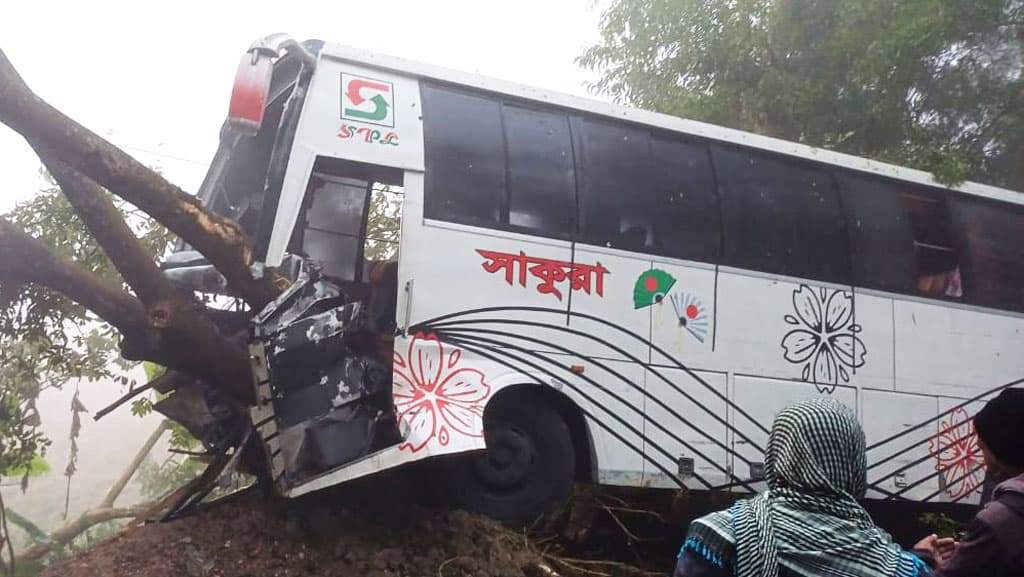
{"x": 934, "y": 84}
{"x": 47, "y": 340}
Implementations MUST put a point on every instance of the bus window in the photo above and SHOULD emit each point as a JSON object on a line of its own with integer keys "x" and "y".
{"x": 881, "y": 240}
{"x": 465, "y": 157}
{"x": 937, "y": 260}
{"x": 541, "y": 171}
{"x": 646, "y": 194}
{"x": 616, "y": 169}
{"x": 995, "y": 248}
{"x": 235, "y": 184}
{"x": 685, "y": 203}
{"x": 780, "y": 217}
{"x": 332, "y": 232}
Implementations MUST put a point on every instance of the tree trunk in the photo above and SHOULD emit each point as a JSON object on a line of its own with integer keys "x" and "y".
{"x": 221, "y": 240}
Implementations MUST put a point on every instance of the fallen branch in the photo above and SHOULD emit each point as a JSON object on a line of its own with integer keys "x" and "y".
{"x": 629, "y": 534}
{"x": 577, "y": 566}
{"x": 83, "y": 523}
{"x": 110, "y": 230}
{"x": 104, "y": 512}
{"x": 133, "y": 466}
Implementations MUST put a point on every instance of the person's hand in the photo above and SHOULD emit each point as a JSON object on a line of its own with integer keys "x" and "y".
{"x": 941, "y": 549}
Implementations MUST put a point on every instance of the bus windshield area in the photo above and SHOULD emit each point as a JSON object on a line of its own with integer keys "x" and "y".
{"x": 240, "y": 178}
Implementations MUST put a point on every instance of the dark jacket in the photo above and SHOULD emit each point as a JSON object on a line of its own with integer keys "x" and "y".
{"x": 994, "y": 543}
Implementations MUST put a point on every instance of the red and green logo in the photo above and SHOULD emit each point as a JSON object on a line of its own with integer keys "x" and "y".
{"x": 367, "y": 100}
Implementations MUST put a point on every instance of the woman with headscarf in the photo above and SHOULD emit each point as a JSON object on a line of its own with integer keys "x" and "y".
{"x": 808, "y": 523}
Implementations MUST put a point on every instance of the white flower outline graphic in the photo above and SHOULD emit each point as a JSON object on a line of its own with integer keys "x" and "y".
{"x": 435, "y": 395}
{"x": 826, "y": 342}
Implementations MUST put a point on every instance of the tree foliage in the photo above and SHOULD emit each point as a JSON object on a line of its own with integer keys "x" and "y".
{"x": 934, "y": 84}
{"x": 48, "y": 339}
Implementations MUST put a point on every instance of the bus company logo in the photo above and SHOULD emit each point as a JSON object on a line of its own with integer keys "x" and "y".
{"x": 367, "y": 135}
{"x": 367, "y": 100}
{"x": 581, "y": 277}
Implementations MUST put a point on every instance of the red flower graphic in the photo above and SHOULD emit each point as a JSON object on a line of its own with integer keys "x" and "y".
{"x": 957, "y": 455}
{"x": 436, "y": 397}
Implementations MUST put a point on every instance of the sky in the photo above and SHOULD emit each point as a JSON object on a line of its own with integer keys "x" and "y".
{"x": 155, "y": 79}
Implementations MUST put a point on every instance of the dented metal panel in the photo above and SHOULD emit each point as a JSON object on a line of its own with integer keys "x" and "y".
{"x": 323, "y": 398}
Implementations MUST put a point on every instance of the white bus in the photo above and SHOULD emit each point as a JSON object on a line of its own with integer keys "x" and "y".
{"x": 584, "y": 292}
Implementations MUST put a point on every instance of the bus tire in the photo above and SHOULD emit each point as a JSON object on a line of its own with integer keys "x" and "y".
{"x": 528, "y": 469}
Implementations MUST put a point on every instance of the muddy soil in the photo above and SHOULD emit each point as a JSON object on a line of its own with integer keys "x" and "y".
{"x": 381, "y": 529}
{"x": 250, "y": 538}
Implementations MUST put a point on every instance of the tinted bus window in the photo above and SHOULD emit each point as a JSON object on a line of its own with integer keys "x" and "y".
{"x": 465, "y": 168}
{"x": 646, "y": 194}
{"x": 937, "y": 260}
{"x": 541, "y": 173}
{"x": 780, "y": 217}
{"x": 994, "y": 234}
{"x": 687, "y": 221}
{"x": 881, "y": 240}
{"x": 334, "y": 217}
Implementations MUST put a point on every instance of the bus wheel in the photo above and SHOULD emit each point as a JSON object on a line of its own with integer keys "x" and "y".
{"x": 527, "y": 470}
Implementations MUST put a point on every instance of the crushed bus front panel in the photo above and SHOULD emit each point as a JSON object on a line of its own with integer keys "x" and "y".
{"x": 323, "y": 391}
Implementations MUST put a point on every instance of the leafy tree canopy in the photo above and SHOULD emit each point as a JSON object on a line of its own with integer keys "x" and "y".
{"x": 933, "y": 84}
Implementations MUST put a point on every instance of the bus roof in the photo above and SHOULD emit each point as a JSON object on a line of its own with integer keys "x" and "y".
{"x": 655, "y": 119}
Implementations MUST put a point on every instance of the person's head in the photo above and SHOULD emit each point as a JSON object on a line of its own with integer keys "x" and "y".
{"x": 817, "y": 446}
{"x": 1000, "y": 428}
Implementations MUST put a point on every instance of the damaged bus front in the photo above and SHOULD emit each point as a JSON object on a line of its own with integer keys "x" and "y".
{"x": 328, "y": 224}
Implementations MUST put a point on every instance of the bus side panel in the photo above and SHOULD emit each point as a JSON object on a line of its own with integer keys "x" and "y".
{"x": 692, "y": 423}
{"x": 611, "y": 398}
{"x": 683, "y": 323}
{"x": 614, "y": 304}
{"x": 954, "y": 351}
{"x": 364, "y": 115}
{"x": 872, "y": 316}
{"x": 786, "y": 329}
{"x": 886, "y": 413}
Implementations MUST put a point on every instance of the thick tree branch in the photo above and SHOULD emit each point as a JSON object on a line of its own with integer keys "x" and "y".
{"x": 24, "y": 259}
{"x": 173, "y": 334}
{"x": 221, "y": 240}
{"x": 180, "y": 323}
{"x": 110, "y": 230}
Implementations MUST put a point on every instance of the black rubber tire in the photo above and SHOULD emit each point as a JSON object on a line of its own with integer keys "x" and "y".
{"x": 527, "y": 471}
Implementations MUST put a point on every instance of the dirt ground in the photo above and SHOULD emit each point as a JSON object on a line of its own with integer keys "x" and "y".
{"x": 380, "y": 529}
{"x": 250, "y": 539}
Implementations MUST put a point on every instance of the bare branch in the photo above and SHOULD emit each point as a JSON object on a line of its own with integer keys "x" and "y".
{"x": 68, "y": 532}
{"x": 133, "y": 466}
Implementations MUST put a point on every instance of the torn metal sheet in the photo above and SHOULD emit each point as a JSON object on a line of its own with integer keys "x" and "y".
{"x": 318, "y": 382}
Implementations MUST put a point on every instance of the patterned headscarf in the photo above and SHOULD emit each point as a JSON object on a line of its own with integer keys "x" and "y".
{"x": 809, "y": 519}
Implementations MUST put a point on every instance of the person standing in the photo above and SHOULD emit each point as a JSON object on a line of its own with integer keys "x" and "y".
{"x": 808, "y": 523}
